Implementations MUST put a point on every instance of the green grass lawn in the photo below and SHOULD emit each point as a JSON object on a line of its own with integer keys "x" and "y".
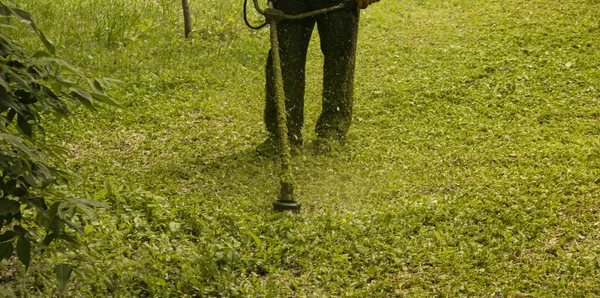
{"x": 472, "y": 167}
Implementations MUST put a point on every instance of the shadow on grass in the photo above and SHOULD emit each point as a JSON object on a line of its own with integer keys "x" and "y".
{"x": 242, "y": 177}
{"x": 252, "y": 181}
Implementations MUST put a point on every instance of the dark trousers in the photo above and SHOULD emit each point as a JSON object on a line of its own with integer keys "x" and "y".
{"x": 338, "y": 32}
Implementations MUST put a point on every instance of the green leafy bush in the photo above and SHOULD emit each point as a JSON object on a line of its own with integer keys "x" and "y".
{"x": 33, "y": 89}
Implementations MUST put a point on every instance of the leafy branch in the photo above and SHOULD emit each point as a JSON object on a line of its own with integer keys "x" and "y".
{"x": 32, "y": 86}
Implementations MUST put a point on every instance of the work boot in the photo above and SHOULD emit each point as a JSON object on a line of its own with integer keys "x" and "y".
{"x": 328, "y": 146}
{"x": 268, "y": 148}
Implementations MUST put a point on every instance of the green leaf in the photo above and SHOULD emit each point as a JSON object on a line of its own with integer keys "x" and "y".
{"x": 85, "y": 206}
{"x": 10, "y": 115}
{"x": 256, "y": 239}
{"x": 63, "y": 82}
{"x": 6, "y": 250}
{"x": 63, "y": 63}
{"x": 57, "y": 87}
{"x": 3, "y": 83}
{"x": 18, "y": 78}
{"x": 89, "y": 202}
{"x": 29, "y": 180}
{"x": 56, "y": 225}
{"x": 73, "y": 226}
{"x": 23, "y": 16}
{"x": 20, "y": 144}
{"x": 8, "y": 235}
{"x": 49, "y": 46}
{"x": 24, "y": 251}
{"x": 48, "y": 239}
{"x": 63, "y": 273}
{"x": 95, "y": 85}
{"x": 4, "y": 11}
{"x": 53, "y": 210}
{"x": 69, "y": 239}
{"x": 106, "y": 99}
{"x": 84, "y": 97}
{"x": 26, "y": 18}
{"x": 41, "y": 54}
{"x": 8, "y": 44}
{"x": 20, "y": 230}
{"x": 9, "y": 101}
{"x": 38, "y": 202}
{"x": 9, "y": 207}
{"x": 24, "y": 125}
{"x": 84, "y": 209}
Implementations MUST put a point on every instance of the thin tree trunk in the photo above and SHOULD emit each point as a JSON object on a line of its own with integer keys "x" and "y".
{"x": 187, "y": 19}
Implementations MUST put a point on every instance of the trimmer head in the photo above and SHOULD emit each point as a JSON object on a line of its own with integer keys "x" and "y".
{"x": 286, "y": 201}
{"x": 279, "y": 206}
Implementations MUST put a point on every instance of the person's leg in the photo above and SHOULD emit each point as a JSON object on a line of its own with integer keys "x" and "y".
{"x": 338, "y": 33}
{"x": 294, "y": 37}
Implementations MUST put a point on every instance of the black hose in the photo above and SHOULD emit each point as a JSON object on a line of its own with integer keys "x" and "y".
{"x": 246, "y": 18}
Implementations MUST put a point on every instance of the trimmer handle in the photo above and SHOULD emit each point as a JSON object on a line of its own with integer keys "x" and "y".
{"x": 281, "y": 15}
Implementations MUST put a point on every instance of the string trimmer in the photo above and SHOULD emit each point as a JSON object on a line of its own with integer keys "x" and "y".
{"x": 286, "y": 201}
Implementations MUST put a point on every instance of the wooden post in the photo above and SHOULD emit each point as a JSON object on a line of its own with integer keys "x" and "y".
{"x": 187, "y": 19}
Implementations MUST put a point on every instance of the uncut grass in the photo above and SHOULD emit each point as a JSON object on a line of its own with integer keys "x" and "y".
{"x": 472, "y": 167}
